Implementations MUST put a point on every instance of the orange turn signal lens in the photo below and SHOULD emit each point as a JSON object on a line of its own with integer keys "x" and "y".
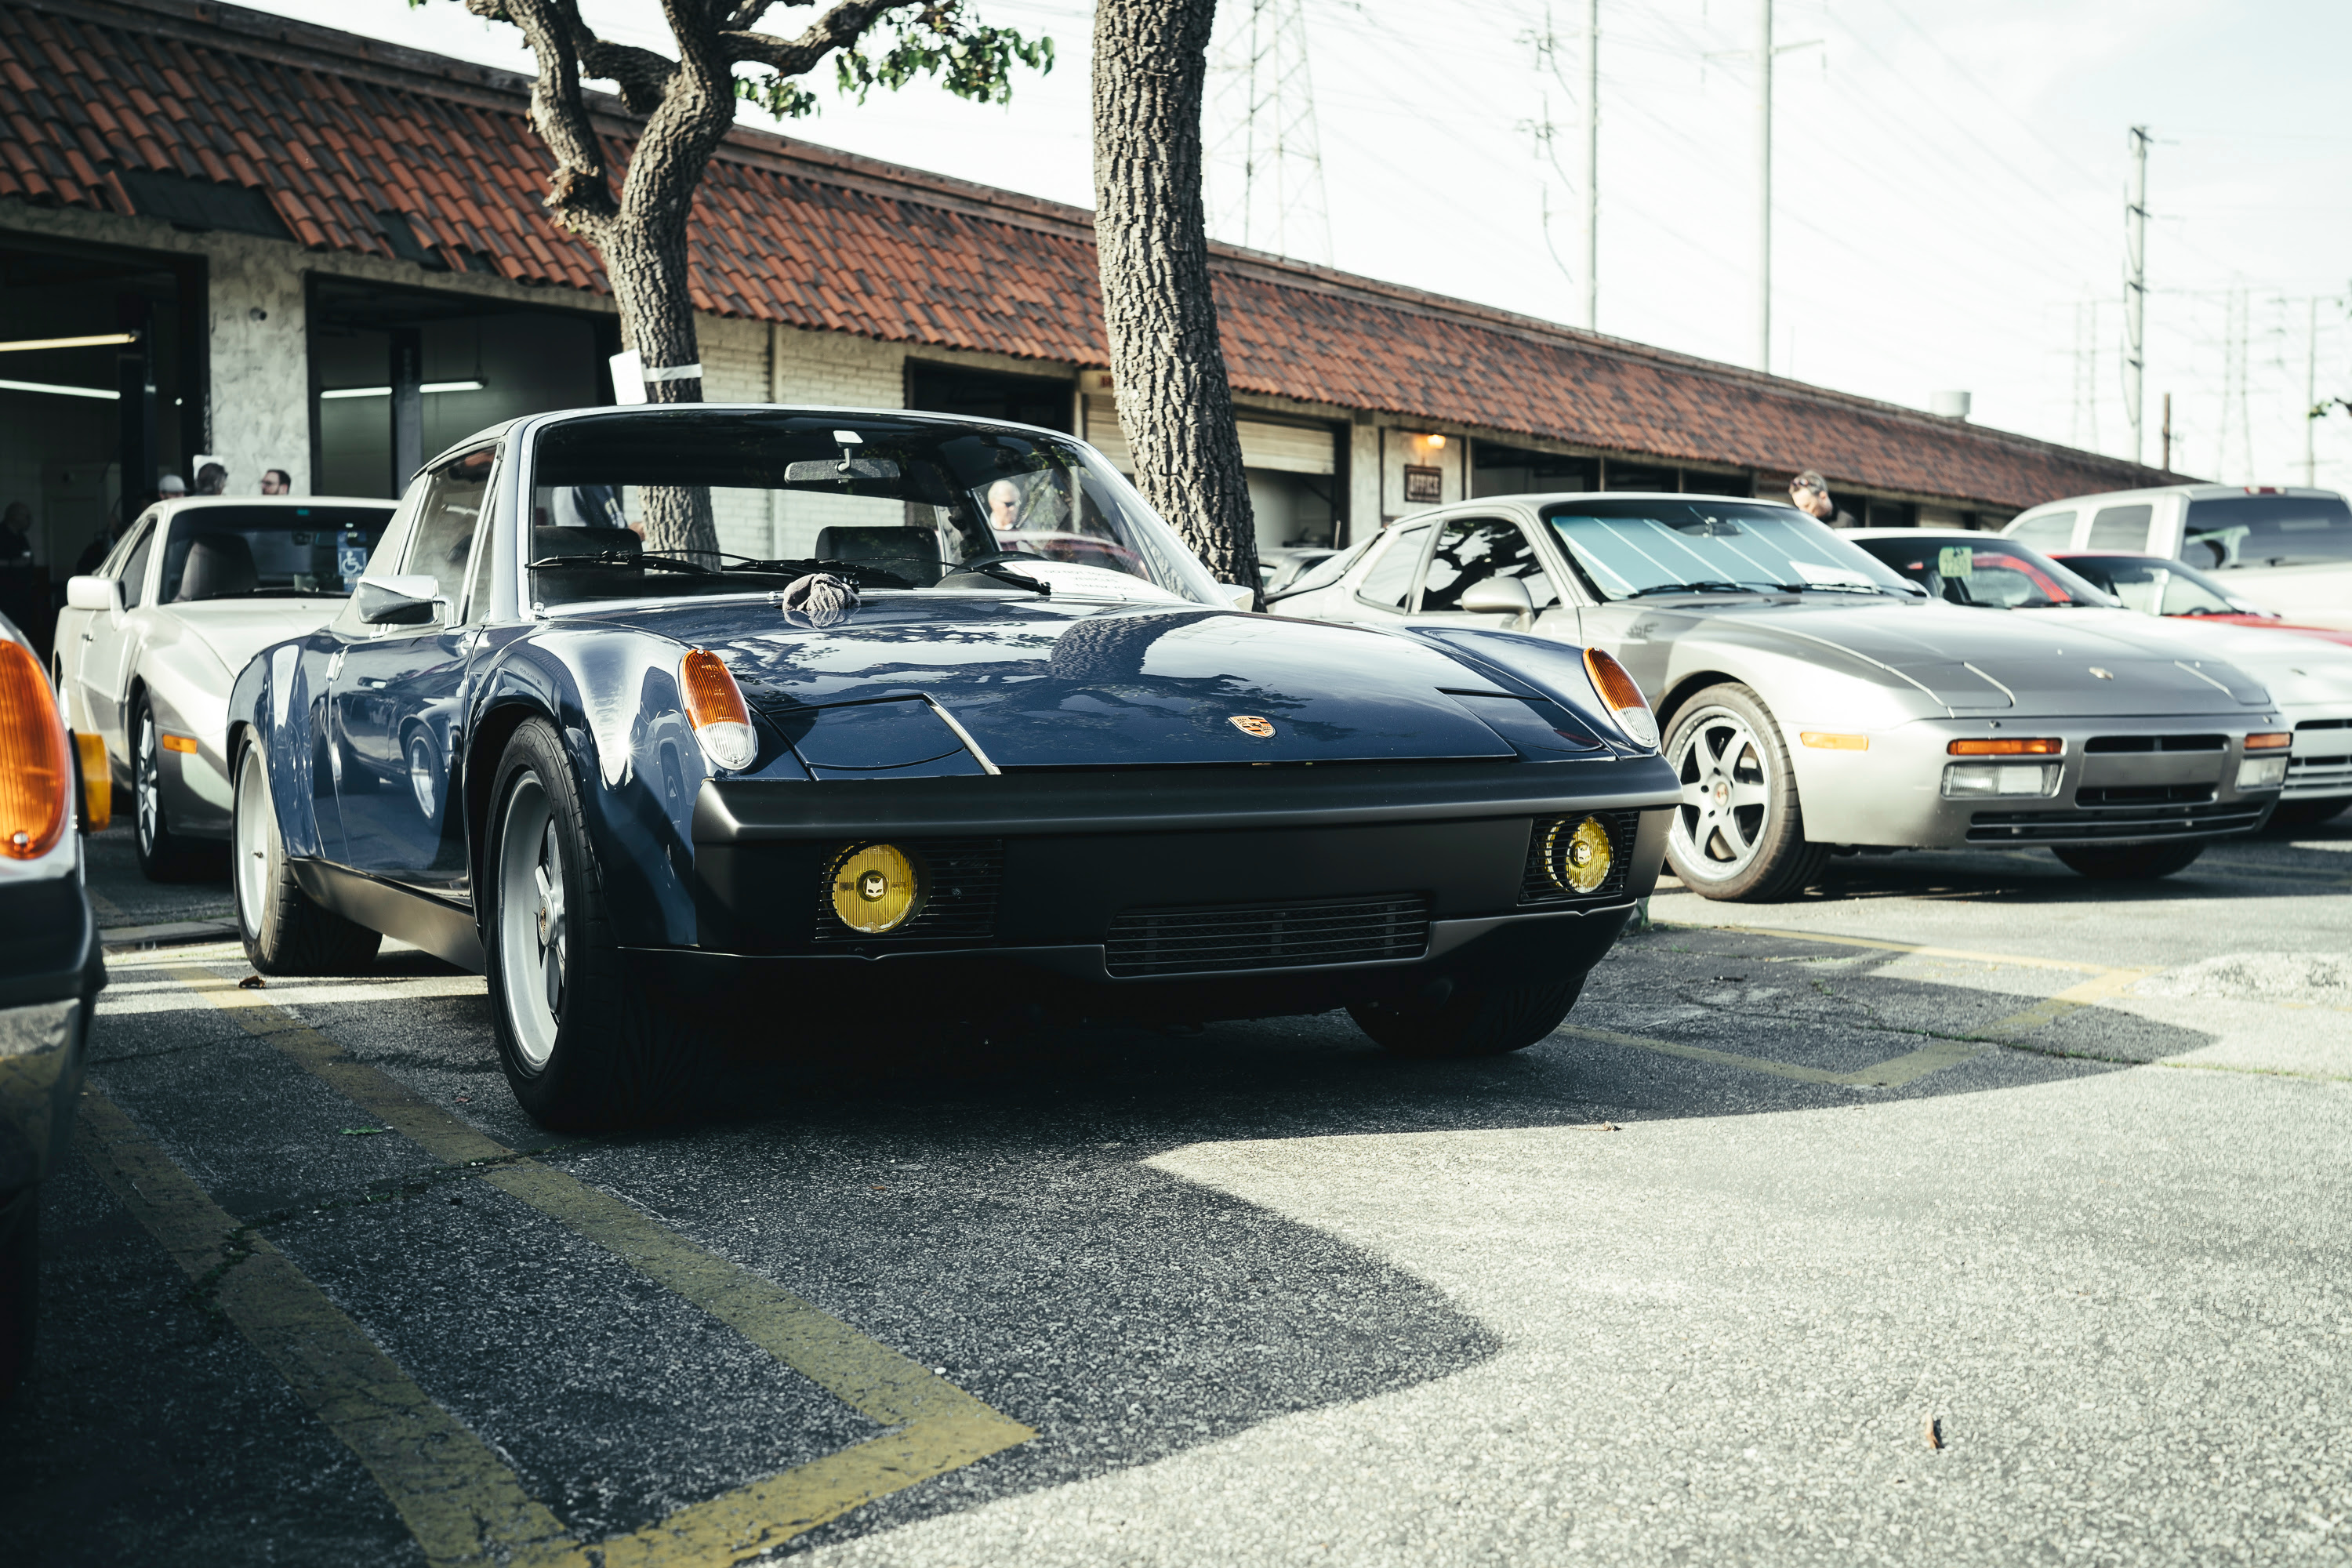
{"x": 185, "y": 744}
{"x": 2276, "y": 740}
{"x": 2043, "y": 746}
{"x": 97, "y": 783}
{"x": 1821, "y": 742}
{"x": 1623, "y": 697}
{"x": 36, "y": 770}
{"x": 714, "y": 707}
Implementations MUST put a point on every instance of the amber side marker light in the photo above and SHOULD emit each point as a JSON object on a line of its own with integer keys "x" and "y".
{"x": 2276, "y": 740}
{"x": 36, "y": 769}
{"x": 183, "y": 744}
{"x": 1623, "y": 697}
{"x": 714, "y": 707}
{"x": 2043, "y": 746}
{"x": 97, "y": 783}
{"x": 1821, "y": 742}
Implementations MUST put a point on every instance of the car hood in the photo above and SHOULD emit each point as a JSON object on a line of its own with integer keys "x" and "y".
{"x": 1037, "y": 684}
{"x": 2293, "y": 669}
{"x": 2028, "y": 662}
{"x": 233, "y": 630}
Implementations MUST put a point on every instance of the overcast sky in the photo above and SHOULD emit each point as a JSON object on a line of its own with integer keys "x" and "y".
{"x": 1948, "y": 182}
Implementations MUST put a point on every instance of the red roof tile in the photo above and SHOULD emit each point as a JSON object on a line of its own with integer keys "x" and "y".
{"x": 333, "y": 127}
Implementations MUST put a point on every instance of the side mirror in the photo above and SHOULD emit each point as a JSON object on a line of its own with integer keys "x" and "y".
{"x": 1497, "y": 596}
{"x": 1241, "y": 597}
{"x": 93, "y": 594}
{"x": 399, "y": 601}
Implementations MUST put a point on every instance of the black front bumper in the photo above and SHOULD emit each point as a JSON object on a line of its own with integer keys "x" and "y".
{"x": 1067, "y": 867}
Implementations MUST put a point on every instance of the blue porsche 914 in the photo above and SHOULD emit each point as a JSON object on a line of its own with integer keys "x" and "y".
{"x": 971, "y": 736}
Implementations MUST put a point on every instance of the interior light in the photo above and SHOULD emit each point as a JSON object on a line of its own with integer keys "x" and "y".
{"x": 714, "y": 707}
{"x": 105, "y": 394}
{"x": 335, "y": 392}
{"x": 1821, "y": 742}
{"x": 2040, "y": 746}
{"x": 96, "y": 340}
{"x": 1436, "y": 443}
{"x": 1623, "y": 698}
{"x": 35, "y": 773}
{"x": 874, "y": 887}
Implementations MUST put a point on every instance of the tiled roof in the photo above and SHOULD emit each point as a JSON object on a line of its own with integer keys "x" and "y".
{"x": 336, "y": 130}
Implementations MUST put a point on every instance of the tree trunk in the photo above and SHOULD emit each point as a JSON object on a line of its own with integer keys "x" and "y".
{"x": 1151, "y": 59}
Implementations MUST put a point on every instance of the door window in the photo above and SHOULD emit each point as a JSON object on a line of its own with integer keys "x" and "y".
{"x": 2120, "y": 527}
{"x": 134, "y": 567}
{"x": 1473, "y": 549}
{"x": 1389, "y": 584}
{"x": 447, "y": 516}
{"x": 2051, "y": 531}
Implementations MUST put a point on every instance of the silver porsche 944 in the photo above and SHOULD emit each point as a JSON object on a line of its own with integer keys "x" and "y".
{"x": 1813, "y": 701}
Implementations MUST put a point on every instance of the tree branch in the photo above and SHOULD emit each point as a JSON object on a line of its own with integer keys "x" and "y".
{"x": 836, "y": 29}
{"x": 579, "y": 191}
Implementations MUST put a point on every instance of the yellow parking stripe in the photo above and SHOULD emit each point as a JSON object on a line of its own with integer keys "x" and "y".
{"x": 458, "y": 1498}
{"x": 1891, "y": 1074}
{"x": 2074, "y": 999}
{"x": 1910, "y": 947}
{"x": 939, "y": 1426}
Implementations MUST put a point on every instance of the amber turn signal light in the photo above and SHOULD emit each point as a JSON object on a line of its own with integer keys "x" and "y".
{"x": 2276, "y": 740}
{"x": 1623, "y": 698}
{"x": 714, "y": 707}
{"x": 1821, "y": 742}
{"x": 97, "y": 783}
{"x": 183, "y": 744}
{"x": 2042, "y": 746}
{"x": 36, "y": 769}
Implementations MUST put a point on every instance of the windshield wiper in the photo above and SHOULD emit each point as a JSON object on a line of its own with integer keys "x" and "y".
{"x": 1833, "y": 588}
{"x": 668, "y": 561}
{"x": 1706, "y": 587}
{"x": 994, "y": 567}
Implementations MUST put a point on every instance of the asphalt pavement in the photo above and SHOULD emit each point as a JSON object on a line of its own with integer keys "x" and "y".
{"x": 1962, "y": 1208}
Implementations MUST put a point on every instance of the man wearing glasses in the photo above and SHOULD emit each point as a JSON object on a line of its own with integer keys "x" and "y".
{"x": 1809, "y": 493}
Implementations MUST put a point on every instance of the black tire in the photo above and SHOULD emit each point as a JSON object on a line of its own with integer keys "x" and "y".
{"x": 2130, "y": 862}
{"x": 1740, "y": 832}
{"x": 163, "y": 855}
{"x": 1488, "y": 1023}
{"x": 584, "y": 1046}
{"x": 2294, "y": 816}
{"x": 20, "y": 1282}
{"x": 285, "y": 930}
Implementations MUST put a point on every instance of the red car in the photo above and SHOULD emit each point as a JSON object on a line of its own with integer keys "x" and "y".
{"x": 2155, "y": 586}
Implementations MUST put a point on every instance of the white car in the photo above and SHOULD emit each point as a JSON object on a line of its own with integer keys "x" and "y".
{"x": 2280, "y": 546}
{"x": 147, "y": 647}
{"x": 2308, "y": 679}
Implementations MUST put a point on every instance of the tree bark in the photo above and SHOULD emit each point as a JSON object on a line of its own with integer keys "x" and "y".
{"x": 1151, "y": 60}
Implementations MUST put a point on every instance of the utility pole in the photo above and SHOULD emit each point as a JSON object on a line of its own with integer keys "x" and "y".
{"x": 2167, "y": 463}
{"x": 2311, "y": 398}
{"x": 2134, "y": 288}
{"x": 1764, "y": 187}
{"x": 1592, "y": 165}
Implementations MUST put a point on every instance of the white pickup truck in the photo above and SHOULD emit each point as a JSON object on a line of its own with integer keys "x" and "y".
{"x": 2275, "y": 547}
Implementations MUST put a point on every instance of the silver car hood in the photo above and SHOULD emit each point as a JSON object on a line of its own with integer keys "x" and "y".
{"x": 233, "y": 630}
{"x": 2054, "y": 662}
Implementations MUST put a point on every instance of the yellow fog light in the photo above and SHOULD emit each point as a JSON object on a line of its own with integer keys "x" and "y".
{"x": 1579, "y": 859}
{"x": 875, "y": 887}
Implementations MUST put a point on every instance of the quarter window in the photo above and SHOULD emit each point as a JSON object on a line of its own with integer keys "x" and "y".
{"x": 2051, "y": 531}
{"x": 134, "y": 567}
{"x": 447, "y": 516}
{"x": 1473, "y": 549}
{"x": 2120, "y": 527}
{"x": 1389, "y": 584}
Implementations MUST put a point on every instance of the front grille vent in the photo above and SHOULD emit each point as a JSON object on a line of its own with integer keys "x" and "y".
{"x": 2157, "y": 743}
{"x": 2142, "y": 822}
{"x": 2143, "y": 794}
{"x": 2325, "y": 724}
{"x": 1266, "y": 936}
{"x": 961, "y": 877}
{"x": 1536, "y": 886}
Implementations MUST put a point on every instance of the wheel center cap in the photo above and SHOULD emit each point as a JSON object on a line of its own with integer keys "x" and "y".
{"x": 543, "y": 923}
{"x": 1722, "y": 792}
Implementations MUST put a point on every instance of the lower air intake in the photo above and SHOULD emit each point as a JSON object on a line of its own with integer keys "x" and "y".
{"x": 1266, "y": 936}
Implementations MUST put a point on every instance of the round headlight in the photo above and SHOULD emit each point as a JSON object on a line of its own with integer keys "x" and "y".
{"x": 1579, "y": 858}
{"x": 874, "y": 887}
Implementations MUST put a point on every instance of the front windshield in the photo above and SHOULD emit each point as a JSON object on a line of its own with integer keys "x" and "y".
{"x": 269, "y": 551}
{"x": 1632, "y": 548}
{"x": 1990, "y": 572}
{"x": 906, "y": 504}
{"x": 2266, "y": 530}
{"x": 2154, "y": 585}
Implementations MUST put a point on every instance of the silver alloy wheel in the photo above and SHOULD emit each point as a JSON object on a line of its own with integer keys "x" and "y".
{"x": 256, "y": 840}
{"x": 1727, "y": 802}
{"x": 532, "y": 938}
{"x": 146, "y": 779}
{"x": 422, "y": 780}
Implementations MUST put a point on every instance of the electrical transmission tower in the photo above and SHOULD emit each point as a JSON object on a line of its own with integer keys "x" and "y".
{"x": 1265, "y": 164}
{"x": 2233, "y": 389}
{"x": 2086, "y": 359}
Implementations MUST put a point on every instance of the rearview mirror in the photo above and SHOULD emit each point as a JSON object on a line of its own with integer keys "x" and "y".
{"x": 1497, "y": 596}
{"x": 408, "y": 601}
{"x": 91, "y": 593}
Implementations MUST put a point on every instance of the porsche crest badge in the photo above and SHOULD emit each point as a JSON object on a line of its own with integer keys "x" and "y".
{"x": 1251, "y": 724}
{"x": 2102, "y": 674}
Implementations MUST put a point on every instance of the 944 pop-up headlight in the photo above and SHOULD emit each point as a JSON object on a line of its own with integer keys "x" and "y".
{"x": 2264, "y": 765}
